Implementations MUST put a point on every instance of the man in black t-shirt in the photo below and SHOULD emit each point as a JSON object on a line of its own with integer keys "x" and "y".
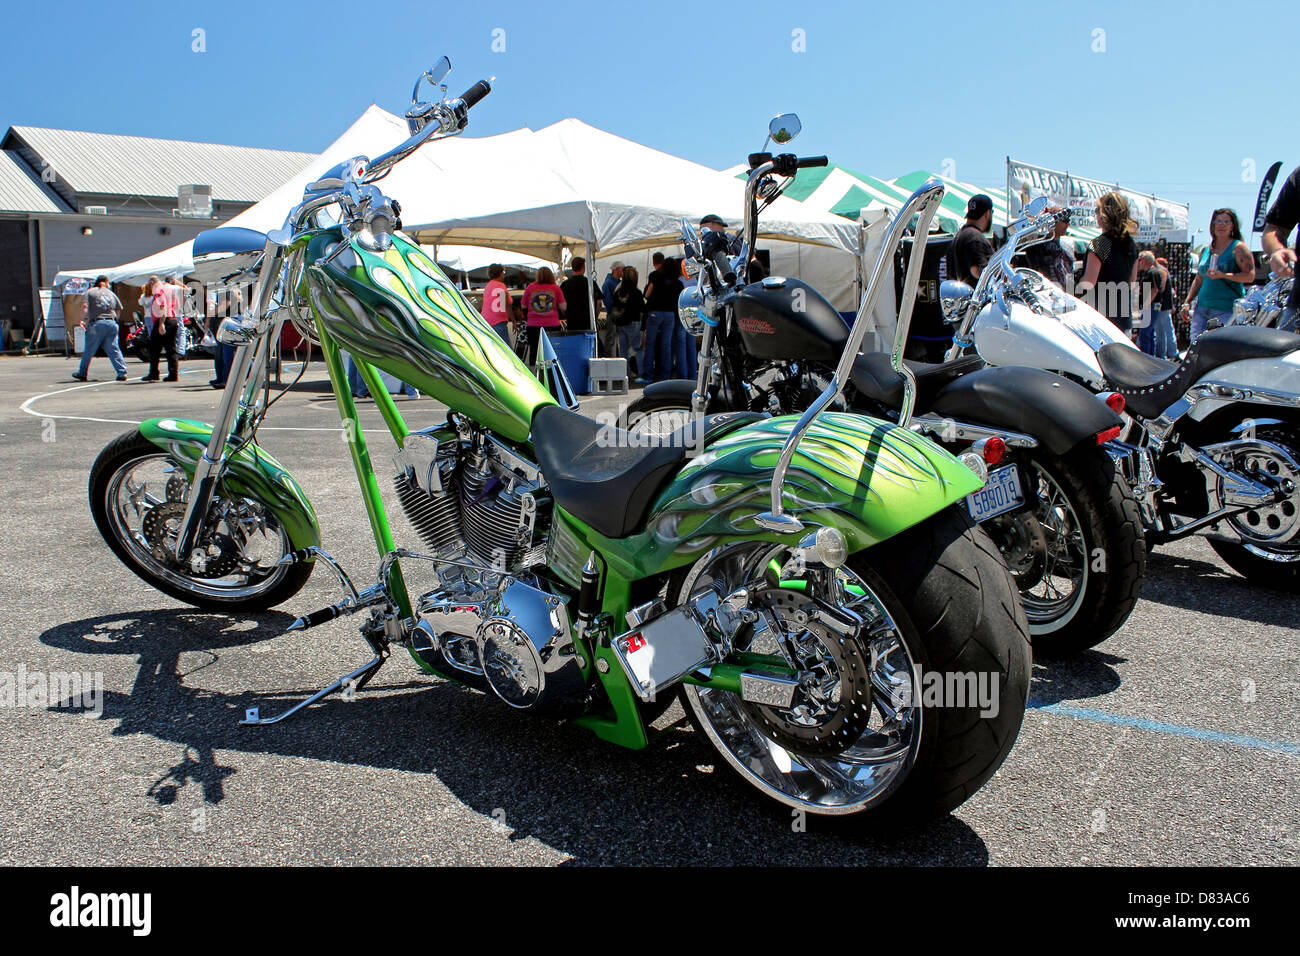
{"x": 1282, "y": 218}
{"x": 582, "y": 296}
{"x": 970, "y": 250}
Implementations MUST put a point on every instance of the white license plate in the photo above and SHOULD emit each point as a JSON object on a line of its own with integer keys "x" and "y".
{"x": 1000, "y": 494}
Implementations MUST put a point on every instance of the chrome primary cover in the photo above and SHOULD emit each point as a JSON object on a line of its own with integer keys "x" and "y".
{"x": 501, "y": 635}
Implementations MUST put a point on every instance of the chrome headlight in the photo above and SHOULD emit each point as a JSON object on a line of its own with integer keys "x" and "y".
{"x": 691, "y": 311}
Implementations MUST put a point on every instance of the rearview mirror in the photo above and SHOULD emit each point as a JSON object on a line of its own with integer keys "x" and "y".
{"x": 417, "y": 116}
{"x": 1037, "y": 207}
{"x": 690, "y": 242}
{"x": 784, "y": 128}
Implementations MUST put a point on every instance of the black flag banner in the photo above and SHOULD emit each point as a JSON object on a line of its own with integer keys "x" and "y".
{"x": 1265, "y": 190}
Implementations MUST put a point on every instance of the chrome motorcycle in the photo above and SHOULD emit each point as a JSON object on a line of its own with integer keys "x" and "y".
{"x": 1263, "y": 305}
{"x": 1211, "y": 444}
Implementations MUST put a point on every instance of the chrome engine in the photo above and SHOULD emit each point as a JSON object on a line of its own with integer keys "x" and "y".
{"x": 501, "y": 636}
{"x": 476, "y": 502}
{"x": 470, "y": 497}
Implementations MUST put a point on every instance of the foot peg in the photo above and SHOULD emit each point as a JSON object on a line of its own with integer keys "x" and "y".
{"x": 355, "y": 681}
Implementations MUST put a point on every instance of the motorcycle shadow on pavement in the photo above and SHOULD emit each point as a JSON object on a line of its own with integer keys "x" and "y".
{"x": 1090, "y": 674}
{"x": 1219, "y": 590}
{"x": 598, "y": 803}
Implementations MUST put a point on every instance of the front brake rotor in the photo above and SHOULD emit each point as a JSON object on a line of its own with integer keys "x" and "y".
{"x": 159, "y": 527}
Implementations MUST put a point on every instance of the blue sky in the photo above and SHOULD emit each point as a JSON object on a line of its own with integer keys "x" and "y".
{"x": 1172, "y": 98}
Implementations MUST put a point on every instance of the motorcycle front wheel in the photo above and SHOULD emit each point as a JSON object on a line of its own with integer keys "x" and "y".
{"x": 872, "y": 732}
{"x": 137, "y": 497}
{"x": 1077, "y": 550}
{"x": 653, "y": 417}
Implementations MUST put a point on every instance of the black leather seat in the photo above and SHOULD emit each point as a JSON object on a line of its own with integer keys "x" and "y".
{"x": 874, "y": 376}
{"x": 605, "y": 476}
{"x": 1150, "y": 385}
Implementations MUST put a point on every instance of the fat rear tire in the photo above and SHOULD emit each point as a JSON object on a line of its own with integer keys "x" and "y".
{"x": 1112, "y": 530}
{"x": 957, "y": 610}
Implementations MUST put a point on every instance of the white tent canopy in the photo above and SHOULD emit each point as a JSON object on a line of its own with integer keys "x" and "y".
{"x": 533, "y": 193}
{"x": 618, "y": 195}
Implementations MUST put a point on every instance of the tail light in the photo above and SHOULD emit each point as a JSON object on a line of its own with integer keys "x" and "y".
{"x": 992, "y": 449}
{"x": 1115, "y": 402}
{"x": 1109, "y": 434}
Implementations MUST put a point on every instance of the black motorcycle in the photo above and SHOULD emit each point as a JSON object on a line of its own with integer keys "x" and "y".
{"x": 1062, "y": 515}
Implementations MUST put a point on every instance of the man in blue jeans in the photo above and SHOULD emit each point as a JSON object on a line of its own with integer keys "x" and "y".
{"x": 102, "y": 310}
{"x": 661, "y": 316}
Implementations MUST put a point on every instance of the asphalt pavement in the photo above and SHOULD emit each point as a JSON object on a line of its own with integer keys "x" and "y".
{"x": 1174, "y": 742}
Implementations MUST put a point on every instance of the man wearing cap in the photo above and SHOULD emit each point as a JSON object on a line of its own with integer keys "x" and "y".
{"x": 970, "y": 250}
{"x": 102, "y": 310}
{"x": 608, "y": 331}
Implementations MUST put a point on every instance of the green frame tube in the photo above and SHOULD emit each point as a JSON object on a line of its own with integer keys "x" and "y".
{"x": 369, "y": 484}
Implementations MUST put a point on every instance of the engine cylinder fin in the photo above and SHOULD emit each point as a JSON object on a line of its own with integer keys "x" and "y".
{"x": 435, "y": 518}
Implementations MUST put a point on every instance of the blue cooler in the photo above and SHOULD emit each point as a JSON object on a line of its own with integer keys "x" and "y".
{"x": 575, "y": 350}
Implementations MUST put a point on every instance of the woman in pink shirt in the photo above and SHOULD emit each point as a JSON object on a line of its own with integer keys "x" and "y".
{"x": 544, "y": 305}
{"x": 496, "y": 301}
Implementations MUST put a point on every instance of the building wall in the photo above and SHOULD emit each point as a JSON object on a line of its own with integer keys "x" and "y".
{"x": 111, "y": 243}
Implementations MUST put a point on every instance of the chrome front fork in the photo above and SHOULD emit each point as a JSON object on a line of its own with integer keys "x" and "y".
{"x": 236, "y": 406}
{"x": 700, "y": 398}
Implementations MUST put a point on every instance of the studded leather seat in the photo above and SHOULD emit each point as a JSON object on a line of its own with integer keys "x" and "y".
{"x": 1150, "y": 385}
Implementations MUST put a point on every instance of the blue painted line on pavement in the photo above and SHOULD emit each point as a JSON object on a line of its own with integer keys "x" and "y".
{"x": 1161, "y": 727}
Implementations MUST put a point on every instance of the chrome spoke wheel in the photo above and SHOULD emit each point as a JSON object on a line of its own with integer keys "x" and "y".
{"x": 243, "y": 543}
{"x": 1056, "y": 548}
{"x": 853, "y": 729}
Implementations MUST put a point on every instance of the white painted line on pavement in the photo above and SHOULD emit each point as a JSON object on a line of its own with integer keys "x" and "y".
{"x": 27, "y": 407}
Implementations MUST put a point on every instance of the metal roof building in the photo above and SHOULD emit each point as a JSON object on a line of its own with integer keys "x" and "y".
{"x": 73, "y": 199}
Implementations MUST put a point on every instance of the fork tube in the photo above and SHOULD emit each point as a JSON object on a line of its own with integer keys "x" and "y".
{"x": 210, "y": 466}
{"x": 370, "y": 495}
{"x": 700, "y": 400}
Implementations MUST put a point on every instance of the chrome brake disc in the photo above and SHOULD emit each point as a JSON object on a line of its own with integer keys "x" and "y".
{"x": 832, "y": 706}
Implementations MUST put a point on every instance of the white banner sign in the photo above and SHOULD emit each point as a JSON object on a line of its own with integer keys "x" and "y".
{"x": 1156, "y": 218}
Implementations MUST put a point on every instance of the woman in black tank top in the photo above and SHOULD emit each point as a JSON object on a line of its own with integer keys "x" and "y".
{"x": 1111, "y": 266}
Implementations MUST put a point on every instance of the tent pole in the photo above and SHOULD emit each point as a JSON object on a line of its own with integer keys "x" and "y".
{"x": 591, "y": 291}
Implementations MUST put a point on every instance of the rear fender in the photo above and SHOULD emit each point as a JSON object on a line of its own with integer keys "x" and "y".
{"x": 1279, "y": 376}
{"x": 1054, "y": 410}
{"x": 865, "y": 477}
{"x": 250, "y": 472}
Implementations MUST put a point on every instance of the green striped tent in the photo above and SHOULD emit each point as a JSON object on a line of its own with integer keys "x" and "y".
{"x": 957, "y": 194}
{"x": 846, "y": 192}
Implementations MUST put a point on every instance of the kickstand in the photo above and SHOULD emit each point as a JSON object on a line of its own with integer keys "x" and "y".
{"x": 354, "y": 681}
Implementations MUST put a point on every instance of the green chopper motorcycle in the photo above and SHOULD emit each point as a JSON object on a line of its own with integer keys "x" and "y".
{"x": 832, "y": 622}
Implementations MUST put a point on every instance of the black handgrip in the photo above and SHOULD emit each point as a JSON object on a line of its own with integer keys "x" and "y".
{"x": 723, "y": 265}
{"x": 322, "y": 616}
{"x": 475, "y": 93}
{"x": 808, "y": 162}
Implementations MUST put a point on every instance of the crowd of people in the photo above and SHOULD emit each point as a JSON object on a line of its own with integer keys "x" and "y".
{"x": 640, "y": 323}
{"x": 1134, "y": 288}
{"x": 636, "y": 322}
